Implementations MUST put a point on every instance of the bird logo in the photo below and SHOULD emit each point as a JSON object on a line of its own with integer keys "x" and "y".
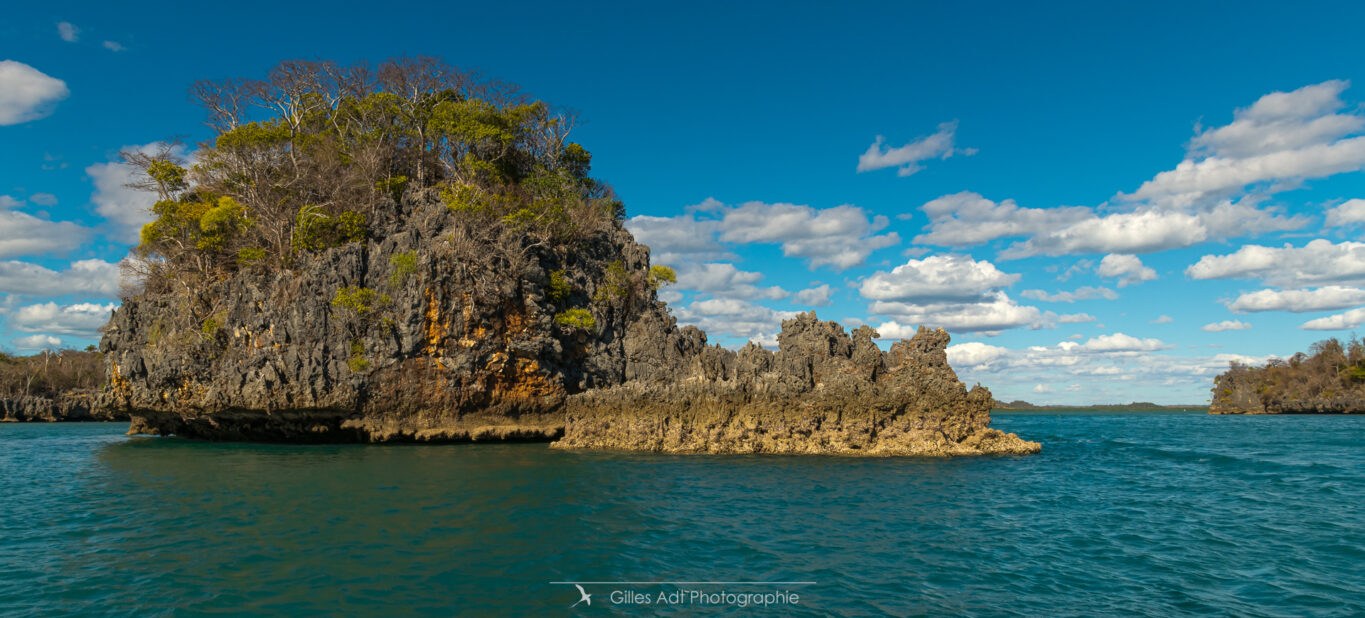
{"x": 586, "y": 597}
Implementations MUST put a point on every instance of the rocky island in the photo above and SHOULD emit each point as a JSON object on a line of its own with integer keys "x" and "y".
{"x": 1329, "y": 380}
{"x": 409, "y": 254}
{"x": 54, "y": 386}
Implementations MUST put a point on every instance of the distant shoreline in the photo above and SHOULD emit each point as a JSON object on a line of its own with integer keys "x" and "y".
{"x": 1136, "y": 406}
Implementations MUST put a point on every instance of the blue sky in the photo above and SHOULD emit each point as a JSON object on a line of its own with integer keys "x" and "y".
{"x": 1102, "y": 203}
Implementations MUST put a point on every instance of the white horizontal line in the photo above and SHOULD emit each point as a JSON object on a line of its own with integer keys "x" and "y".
{"x": 697, "y": 583}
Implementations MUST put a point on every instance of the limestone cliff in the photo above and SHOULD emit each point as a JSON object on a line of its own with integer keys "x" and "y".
{"x": 821, "y": 392}
{"x": 455, "y": 340}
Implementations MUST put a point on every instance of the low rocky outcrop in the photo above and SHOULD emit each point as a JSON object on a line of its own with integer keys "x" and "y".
{"x": 1330, "y": 380}
{"x": 821, "y": 392}
{"x": 71, "y": 406}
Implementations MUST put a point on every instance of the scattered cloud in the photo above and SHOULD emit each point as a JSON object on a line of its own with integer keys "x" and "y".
{"x": 840, "y": 237}
{"x": 1349, "y": 212}
{"x": 675, "y": 240}
{"x": 1162, "y": 319}
{"x": 33, "y": 343}
{"x": 1299, "y": 301}
{"x": 1081, "y": 293}
{"x": 818, "y": 296}
{"x": 114, "y": 46}
{"x": 1075, "y": 318}
{"x": 937, "y": 278}
{"x": 43, "y": 199}
{"x": 68, "y": 31}
{"x": 723, "y": 279}
{"x": 955, "y": 292}
{"x": 1317, "y": 263}
{"x": 733, "y": 317}
{"x": 93, "y": 277}
{"x": 1225, "y": 325}
{"x": 1116, "y": 343}
{"x": 993, "y": 314}
{"x": 1136, "y": 232}
{"x": 128, "y": 209}
{"x": 25, "y": 234}
{"x": 974, "y": 353}
{"x": 82, "y": 319}
{"x": 1128, "y": 268}
{"x": 908, "y": 158}
{"x": 1340, "y": 321}
{"x": 967, "y": 218}
{"x": 1040, "y": 388}
{"x": 27, "y": 93}
{"x": 1282, "y": 138}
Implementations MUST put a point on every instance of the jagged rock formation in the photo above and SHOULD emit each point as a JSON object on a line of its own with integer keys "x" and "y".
{"x": 461, "y": 344}
{"x": 412, "y": 253}
{"x": 822, "y": 392}
{"x": 465, "y": 347}
{"x": 1329, "y": 381}
{"x": 70, "y": 406}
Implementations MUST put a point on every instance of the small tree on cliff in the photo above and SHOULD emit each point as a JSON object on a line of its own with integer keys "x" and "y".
{"x": 312, "y": 155}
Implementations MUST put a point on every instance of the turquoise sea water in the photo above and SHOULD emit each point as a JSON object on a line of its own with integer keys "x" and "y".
{"x": 1147, "y": 514}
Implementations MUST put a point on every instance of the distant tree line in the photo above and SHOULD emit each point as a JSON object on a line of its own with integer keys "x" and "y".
{"x": 1331, "y": 369}
{"x": 313, "y": 155}
{"x": 50, "y": 373}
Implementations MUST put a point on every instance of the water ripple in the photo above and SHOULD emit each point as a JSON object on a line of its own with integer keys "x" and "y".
{"x": 1151, "y": 515}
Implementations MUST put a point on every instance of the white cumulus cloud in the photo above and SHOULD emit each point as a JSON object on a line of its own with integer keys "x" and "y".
{"x": 1128, "y": 268}
{"x": 1319, "y": 262}
{"x": 128, "y": 209}
{"x": 1347, "y": 213}
{"x": 967, "y": 218}
{"x": 908, "y": 158}
{"x": 1324, "y": 298}
{"x": 1081, "y": 293}
{"x": 93, "y": 277}
{"x": 38, "y": 342}
{"x": 27, "y": 93}
{"x": 1225, "y": 325}
{"x": 937, "y": 278}
{"x": 1283, "y": 138}
{"x": 723, "y": 279}
{"x": 25, "y": 234}
{"x": 81, "y": 319}
{"x": 1340, "y": 321}
{"x": 818, "y": 296}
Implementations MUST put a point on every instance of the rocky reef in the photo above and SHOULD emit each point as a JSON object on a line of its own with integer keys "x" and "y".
{"x": 822, "y": 392}
{"x": 71, "y": 406}
{"x": 464, "y": 345}
{"x": 1329, "y": 380}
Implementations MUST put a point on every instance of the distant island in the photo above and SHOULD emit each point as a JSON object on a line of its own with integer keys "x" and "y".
{"x": 408, "y": 253}
{"x": 1329, "y": 379}
{"x": 1136, "y": 406}
{"x": 54, "y": 386}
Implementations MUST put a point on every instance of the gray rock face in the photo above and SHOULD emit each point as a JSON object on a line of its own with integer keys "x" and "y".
{"x": 822, "y": 392}
{"x": 464, "y": 346}
{"x": 439, "y": 328}
{"x": 70, "y": 406}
